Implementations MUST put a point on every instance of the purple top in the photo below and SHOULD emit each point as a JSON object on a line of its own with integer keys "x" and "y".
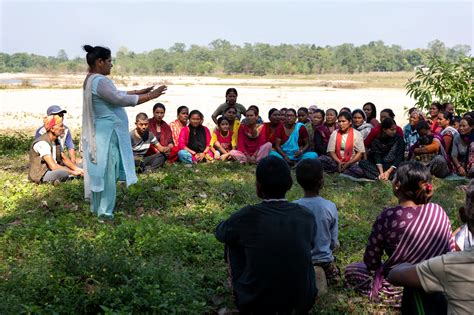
{"x": 386, "y": 233}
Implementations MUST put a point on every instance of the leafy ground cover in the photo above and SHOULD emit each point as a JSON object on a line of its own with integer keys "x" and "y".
{"x": 159, "y": 255}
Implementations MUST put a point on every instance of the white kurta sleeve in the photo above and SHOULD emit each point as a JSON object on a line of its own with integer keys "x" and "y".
{"x": 107, "y": 91}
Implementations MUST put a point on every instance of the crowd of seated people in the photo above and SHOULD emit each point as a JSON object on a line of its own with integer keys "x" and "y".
{"x": 312, "y": 140}
{"x": 348, "y": 142}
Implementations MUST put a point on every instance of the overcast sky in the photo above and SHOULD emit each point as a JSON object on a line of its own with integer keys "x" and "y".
{"x": 45, "y": 27}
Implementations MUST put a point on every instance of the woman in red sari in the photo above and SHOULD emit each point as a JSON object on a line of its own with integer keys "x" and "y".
{"x": 162, "y": 131}
{"x": 269, "y": 128}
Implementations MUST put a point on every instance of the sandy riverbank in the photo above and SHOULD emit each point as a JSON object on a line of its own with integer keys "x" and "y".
{"x": 24, "y": 108}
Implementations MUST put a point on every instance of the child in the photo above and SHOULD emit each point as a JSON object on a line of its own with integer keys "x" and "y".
{"x": 194, "y": 141}
{"x": 309, "y": 174}
{"x": 142, "y": 139}
{"x": 221, "y": 141}
{"x": 268, "y": 247}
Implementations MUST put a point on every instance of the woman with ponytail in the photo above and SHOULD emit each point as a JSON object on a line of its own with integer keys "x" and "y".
{"x": 412, "y": 231}
{"x": 105, "y": 138}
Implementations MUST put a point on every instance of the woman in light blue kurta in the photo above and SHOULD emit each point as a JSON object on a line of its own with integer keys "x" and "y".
{"x": 105, "y": 138}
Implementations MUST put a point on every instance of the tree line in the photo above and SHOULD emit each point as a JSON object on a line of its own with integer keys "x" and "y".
{"x": 220, "y": 56}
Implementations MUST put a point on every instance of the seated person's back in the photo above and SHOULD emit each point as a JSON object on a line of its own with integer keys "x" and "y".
{"x": 269, "y": 247}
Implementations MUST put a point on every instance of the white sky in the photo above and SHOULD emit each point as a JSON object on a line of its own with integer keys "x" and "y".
{"x": 45, "y": 27}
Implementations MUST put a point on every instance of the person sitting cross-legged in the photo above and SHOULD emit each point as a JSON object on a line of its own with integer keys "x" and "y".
{"x": 268, "y": 247}
{"x": 451, "y": 273}
{"x": 48, "y": 162}
{"x": 292, "y": 140}
{"x": 66, "y": 138}
{"x": 309, "y": 174}
{"x": 412, "y": 231}
{"x": 142, "y": 139}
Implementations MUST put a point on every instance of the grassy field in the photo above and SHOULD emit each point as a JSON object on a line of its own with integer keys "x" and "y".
{"x": 159, "y": 255}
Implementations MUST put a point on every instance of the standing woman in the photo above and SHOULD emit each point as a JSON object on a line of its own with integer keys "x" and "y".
{"x": 162, "y": 131}
{"x": 105, "y": 138}
{"x": 176, "y": 126}
{"x": 331, "y": 119}
{"x": 371, "y": 113}
{"x": 230, "y": 101}
{"x": 345, "y": 148}
{"x": 292, "y": 140}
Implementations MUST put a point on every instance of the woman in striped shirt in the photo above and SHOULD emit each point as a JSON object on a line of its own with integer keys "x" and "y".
{"x": 412, "y": 231}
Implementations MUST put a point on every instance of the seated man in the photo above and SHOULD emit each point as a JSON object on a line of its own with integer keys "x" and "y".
{"x": 142, "y": 139}
{"x": 451, "y": 273}
{"x": 309, "y": 174}
{"x": 48, "y": 163}
{"x": 268, "y": 247}
{"x": 66, "y": 138}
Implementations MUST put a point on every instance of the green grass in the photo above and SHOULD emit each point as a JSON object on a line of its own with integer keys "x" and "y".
{"x": 159, "y": 255}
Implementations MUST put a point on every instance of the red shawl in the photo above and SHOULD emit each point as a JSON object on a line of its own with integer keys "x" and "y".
{"x": 165, "y": 137}
{"x": 349, "y": 145}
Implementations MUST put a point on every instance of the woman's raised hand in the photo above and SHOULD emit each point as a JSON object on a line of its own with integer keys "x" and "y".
{"x": 159, "y": 91}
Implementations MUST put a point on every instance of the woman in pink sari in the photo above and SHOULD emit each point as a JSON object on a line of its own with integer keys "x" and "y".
{"x": 412, "y": 231}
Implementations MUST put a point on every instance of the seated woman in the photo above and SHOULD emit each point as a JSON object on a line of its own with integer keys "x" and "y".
{"x": 176, "y": 126}
{"x": 345, "y": 148}
{"x": 371, "y": 114}
{"x": 331, "y": 119}
{"x": 194, "y": 141}
{"x": 359, "y": 123}
{"x": 321, "y": 132}
{"x": 257, "y": 111}
{"x": 435, "y": 109}
{"x": 409, "y": 131}
{"x": 386, "y": 153}
{"x": 303, "y": 115}
{"x": 221, "y": 141}
{"x": 461, "y": 144}
{"x": 231, "y": 115}
{"x": 251, "y": 145}
{"x": 269, "y": 128}
{"x": 377, "y": 131}
{"x": 448, "y": 133}
{"x": 429, "y": 150}
{"x": 291, "y": 140}
{"x": 162, "y": 132}
{"x": 396, "y": 233}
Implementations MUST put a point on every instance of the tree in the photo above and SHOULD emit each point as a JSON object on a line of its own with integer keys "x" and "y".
{"x": 62, "y": 56}
{"x": 445, "y": 82}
